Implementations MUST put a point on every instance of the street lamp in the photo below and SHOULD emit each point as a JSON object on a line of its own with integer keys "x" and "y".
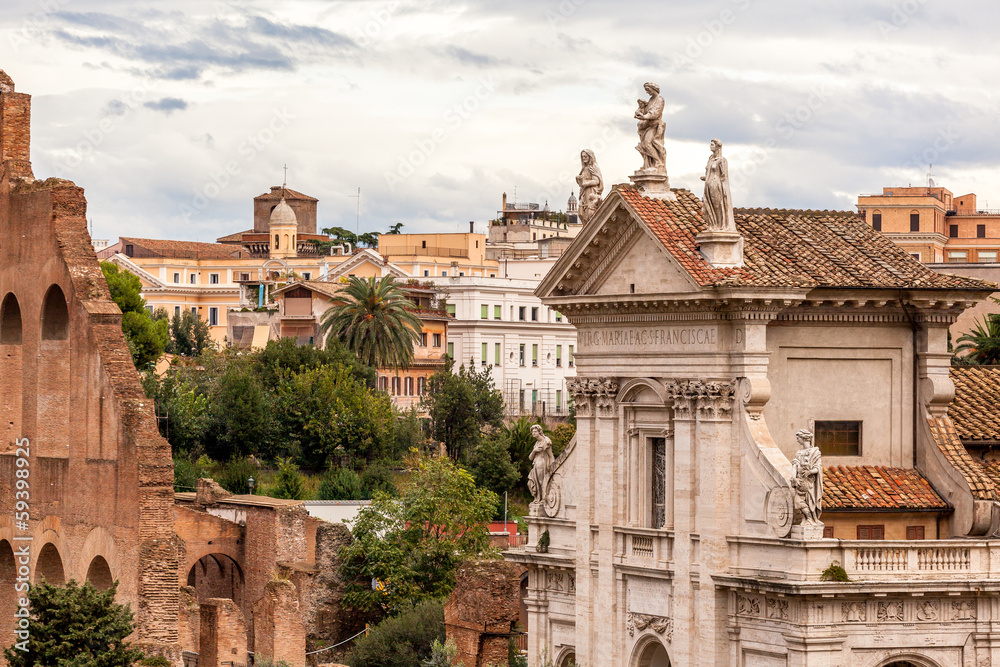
{"x": 250, "y": 484}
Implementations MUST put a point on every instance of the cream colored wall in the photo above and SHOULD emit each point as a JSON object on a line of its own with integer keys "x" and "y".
{"x": 646, "y": 269}
{"x": 845, "y": 524}
{"x": 843, "y": 373}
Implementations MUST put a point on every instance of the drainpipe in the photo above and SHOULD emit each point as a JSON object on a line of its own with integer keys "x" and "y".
{"x": 914, "y": 328}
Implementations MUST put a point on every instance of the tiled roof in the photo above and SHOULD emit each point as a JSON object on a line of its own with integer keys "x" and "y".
{"x": 980, "y": 482}
{"x": 287, "y": 193}
{"x": 791, "y": 248}
{"x": 183, "y": 249}
{"x": 976, "y": 408}
{"x": 878, "y": 488}
{"x": 233, "y": 238}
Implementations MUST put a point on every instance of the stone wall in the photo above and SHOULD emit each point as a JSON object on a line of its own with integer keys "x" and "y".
{"x": 278, "y": 625}
{"x": 223, "y": 633}
{"x": 482, "y": 610}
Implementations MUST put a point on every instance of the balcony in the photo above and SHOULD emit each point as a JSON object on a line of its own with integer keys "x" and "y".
{"x": 649, "y": 548}
{"x": 866, "y": 560}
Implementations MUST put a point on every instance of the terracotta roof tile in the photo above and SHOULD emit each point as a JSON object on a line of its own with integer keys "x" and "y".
{"x": 976, "y": 408}
{"x": 183, "y": 249}
{"x": 878, "y": 488}
{"x": 233, "y": 238}
{"x": 791, "y": 248}
{"x": 287, "y": 193}
{"x": 980, "y": 482}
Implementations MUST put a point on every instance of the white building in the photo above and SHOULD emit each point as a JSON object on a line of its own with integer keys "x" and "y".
{"x": 500, "y": 324}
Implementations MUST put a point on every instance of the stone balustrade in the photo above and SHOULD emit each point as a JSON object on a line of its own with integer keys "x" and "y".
{"x": 643, "y": 547}
{"x": 865, "y": 560}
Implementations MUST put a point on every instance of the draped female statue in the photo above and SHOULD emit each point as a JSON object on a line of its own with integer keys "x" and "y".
{"x": 591, "y": 185}
{"x": 717, "y": 204}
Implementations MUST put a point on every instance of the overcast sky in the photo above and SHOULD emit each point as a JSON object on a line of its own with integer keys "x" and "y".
{"x": 174, "y": 114}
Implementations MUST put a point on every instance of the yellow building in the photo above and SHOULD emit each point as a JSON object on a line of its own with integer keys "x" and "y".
{"x": 437, "y": 255}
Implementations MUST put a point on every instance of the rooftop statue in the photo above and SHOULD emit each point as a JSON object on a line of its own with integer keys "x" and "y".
{"x": 717, "y": 204}
{"x": 651, "y": 130}
{"x": 591, "y": 185}
{"x": 807, "y": 479}
{"x": 543, "y": 489}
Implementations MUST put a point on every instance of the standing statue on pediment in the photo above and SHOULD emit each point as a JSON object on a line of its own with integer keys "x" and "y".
{"x": 717, "y": 204}
{"x": 591, "y": 184}
{"x": 807, "y": 479}
{"x": 652, "y": 128}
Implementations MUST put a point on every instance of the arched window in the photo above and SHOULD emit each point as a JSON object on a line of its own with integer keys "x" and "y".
{"x": 99, "y": 574}
{"x": 55, "y": 315}
{"x": 287, "y": 247}
{"x": 409, "y": 386}
{"x": 10, "y": 321}
{"x": 275, "y": 241}
{"x": 49, "y": 566}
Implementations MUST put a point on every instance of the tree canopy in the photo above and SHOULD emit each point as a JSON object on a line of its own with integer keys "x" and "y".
{"x": 76, "y": 626}
{"x": 460, "y": 405}
{"x": 147, "y": 339}
{"x": 981, "y": 345}
{"x": 412, "y": 545}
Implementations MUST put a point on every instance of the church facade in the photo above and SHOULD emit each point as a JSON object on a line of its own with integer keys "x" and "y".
{"x": 669, "y": 531}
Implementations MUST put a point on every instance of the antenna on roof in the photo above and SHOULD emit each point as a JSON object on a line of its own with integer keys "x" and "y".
{"x": 285, "y": 184}
{"x": 930, "y": 181}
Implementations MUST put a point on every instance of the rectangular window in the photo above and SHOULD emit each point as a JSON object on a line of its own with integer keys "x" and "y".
{"x": 658, "y": 500}
{"x": 988, "y": 256}
{"x": 915, "y": 255}
{"x": 558, "y": 356}
{"x": 558, "y": 316}
{"x": 194, "y": 278}
{"x": 558, "y": 400}
{"x": 485, "y": 352}
{"x": 420, "y": 386}
{"x": 177, "y": 277}
{"x": 521, "y": 313}
{"x": 534, "y": 355}
{"x": 522, "y": 354}
{"x": 129, "y": 250}
{"x": 957, "y": 256}
{"x": 496, "y": 354}
{"x": 953, "y": 231}
{"x": 496, "y": 312}
{"x": 177, "y": 311}
{"x": 914, "y": 222}
{"x": 395, "y": 386}
{"x": 877, "y": 222}
{"x": 980, "y": 231}
{"x": 451, "y": 350}
{"x": 444, "y": 274}
{"x": 213, "y": 278}
{"x": 427, "y": 274}
{"x": 423, "y": 339}
{"x": 244, "y": 276}
{"x": 213, "y": 316}
{"x": 450, "y": 309}
{"x": 484, "y": 312}
{"x": 914, "y": 532}
{"x": 827, "y": 531}
{"x": 569, "y": 358}
{"x": 839, "y": 438}
{"x": 306, "y": 275}
{"x": 534, "y": 314}
{"x": 871, "y": 532}
{"x": 461, "y": 273}
{"x": 437, "y": 340}
{"x": 194, "y": 310}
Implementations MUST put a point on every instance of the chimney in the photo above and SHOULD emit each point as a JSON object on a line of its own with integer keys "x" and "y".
{"x": 472, "y": 227}
{"x": 15, "y": 129}
{"x": 503, "y": 207}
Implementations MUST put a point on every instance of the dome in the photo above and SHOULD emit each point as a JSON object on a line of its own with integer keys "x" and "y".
{"x": 283, "y": 215}
{"x": 572, "y": 196}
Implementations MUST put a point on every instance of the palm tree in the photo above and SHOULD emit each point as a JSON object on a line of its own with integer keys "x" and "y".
{"x": 374, "y": 320}
{"x": 981, "y": 345}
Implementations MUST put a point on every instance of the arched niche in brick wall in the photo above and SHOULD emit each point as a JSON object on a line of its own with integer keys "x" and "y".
{"x": 10, "y": 321}
{"x": 99, "y": 574}
{"x": 50, "y": 566}
{"x": 8, "y": 597}
{"x": 217, "y": 576}
{"x": 55, "y": 315}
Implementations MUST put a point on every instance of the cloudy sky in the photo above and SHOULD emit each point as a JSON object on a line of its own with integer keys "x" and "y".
{"x": 174, "y": 114}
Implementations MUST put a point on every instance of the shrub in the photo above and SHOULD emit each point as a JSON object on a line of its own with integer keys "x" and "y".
{"x": 341, "y": 484}
{"x": 233, "y": 475}
{"x": 401, "y": 641}
{"x": 289, "y": 483}
{"x": 187, "y": 473}
{"x": 442, "y": 655}
{"x": 560, "y": 436}
{"x": 835, "y": 573}
{"x": 543, "y": 543}
{"x": 377, "y": 477}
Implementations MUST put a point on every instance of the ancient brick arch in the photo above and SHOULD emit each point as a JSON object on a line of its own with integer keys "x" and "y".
{"x": 10, "y": 321}
{"x": 99, "y": 574}
{"x": 55, "y": 315}
{"x": 217, "y": 575}
{"x": 8, "y": 596}
{"x": 99, "y": 545}
{"x": 49, "y": 565}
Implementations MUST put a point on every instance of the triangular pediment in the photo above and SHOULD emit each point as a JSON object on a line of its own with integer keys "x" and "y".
{"x": 616, "y": 254}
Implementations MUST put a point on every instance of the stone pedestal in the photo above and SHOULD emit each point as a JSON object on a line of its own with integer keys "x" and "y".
{"x": 723, "y": 250}
{"x": 653, "y": 184}
{"x": 807, "y": 532}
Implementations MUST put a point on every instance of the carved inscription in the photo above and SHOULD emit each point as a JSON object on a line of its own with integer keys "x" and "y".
{"x": 636, "y": 337}
{"x": 646, "y": 596}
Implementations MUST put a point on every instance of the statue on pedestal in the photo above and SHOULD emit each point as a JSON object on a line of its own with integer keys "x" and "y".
{"x": 544, "y": 491}
{"x": 591, "y": 185}
{"x": 807, "y": 480}
{"x": 651, "y": 131}
{"x": 717, "y": 205}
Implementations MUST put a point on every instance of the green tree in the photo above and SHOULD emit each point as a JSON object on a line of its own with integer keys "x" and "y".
{"x": 368, "y": 240}
{"x": 190, "y": 334}
{"x": 341, "y": 484}
{"x": 396, "y": 228}
{"x": 491, "y": 465}
{"x": 240, "y": 414}
{"x": 324, "y": 408}
{"x": 981, "y": 346}
{"x": 414, "y": 544}
{"x": 374, "y": 321}
{"x": 146, "y": 338}
{"x": 282, "y": 356}
{"x": 77, "y": 626}
{"x": 339, "y": 235}
{"x": 183, "y": 412}
{"x": 289, "y": 482}
{"x": 401, "y": 641}
{"x": 561, "y": 436}
{"x": 460, "y": 405}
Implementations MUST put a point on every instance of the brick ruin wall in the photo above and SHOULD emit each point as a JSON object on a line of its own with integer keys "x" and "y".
{"x": 482, "y": 610}
{"x": 101, "y": 476}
